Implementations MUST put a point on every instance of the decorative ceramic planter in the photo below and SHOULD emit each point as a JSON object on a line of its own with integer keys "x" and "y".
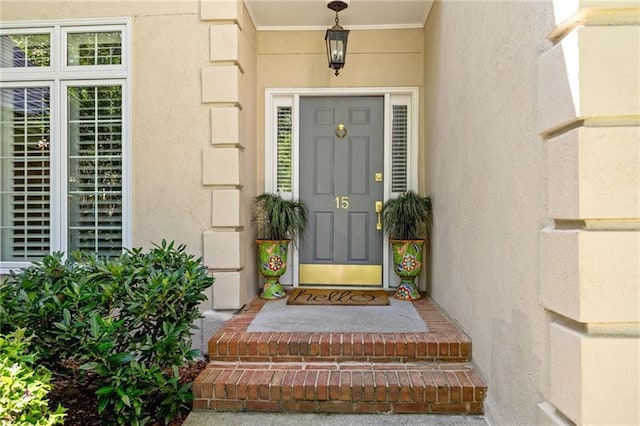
{"x": 407, "y": 264}
{"x": 272, "y": 263}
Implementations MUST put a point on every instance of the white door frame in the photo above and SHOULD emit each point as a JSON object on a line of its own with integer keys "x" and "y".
{"x": 291, "y": 97}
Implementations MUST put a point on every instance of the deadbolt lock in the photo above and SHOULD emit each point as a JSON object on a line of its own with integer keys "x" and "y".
{"x": 378, "y": 177}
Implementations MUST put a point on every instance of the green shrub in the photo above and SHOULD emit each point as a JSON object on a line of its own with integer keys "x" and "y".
{"x": 24, "y": 385}
{"x": 55, "y": 299}
{"x": 124, "y": 323}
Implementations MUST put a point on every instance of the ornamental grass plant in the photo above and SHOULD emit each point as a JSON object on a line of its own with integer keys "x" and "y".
{"x": 408, "y": 216}
{"x": 277, "y": 218}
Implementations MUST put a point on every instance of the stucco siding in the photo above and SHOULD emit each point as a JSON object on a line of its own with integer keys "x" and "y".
{"x": 171, "y": 126}
{"x": 486, "y": 171}
{"x": 532, "y": 142}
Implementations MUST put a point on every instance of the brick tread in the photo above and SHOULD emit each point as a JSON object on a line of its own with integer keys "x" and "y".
{"x": 444, "y": 342}
{"x": 349, "y": 387}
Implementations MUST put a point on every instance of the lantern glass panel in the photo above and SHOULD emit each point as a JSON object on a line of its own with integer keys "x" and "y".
{"x": 337, "y": 51}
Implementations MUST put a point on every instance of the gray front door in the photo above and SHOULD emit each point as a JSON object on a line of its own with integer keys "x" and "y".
{"x": 341, "y": 166}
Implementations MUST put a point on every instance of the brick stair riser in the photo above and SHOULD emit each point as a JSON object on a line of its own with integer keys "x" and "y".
{"x": 343, "y": 388}
{"x": 361, "y": 347}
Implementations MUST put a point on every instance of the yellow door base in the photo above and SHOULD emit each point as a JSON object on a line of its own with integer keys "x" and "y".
{"x": 370, "y": 275}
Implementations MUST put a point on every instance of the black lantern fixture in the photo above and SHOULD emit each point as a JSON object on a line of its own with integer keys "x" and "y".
{"x": 336, "y": 38}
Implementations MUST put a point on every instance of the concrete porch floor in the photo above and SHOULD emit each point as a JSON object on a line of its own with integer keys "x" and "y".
{"x": 397, "y": 317}
{"x": 209, "y": 418}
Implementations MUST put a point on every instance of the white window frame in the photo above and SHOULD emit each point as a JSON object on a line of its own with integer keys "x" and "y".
{"x": 54, "y": 212}
{"x": 59, "y": 76}
{"x": 291, "y": 97}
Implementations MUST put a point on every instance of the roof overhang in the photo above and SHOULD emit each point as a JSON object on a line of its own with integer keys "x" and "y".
{"x": 295, "y": 15}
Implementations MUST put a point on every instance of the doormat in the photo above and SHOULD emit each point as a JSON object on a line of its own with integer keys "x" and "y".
{"x": 322, "y": 296}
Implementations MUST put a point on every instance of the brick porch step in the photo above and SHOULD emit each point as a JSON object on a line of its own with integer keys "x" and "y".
{"x": 444, "y": 342}
{"x": 347, "y": 387}
{"x": 335, "y": 347}
{"x": 355, "y": 372}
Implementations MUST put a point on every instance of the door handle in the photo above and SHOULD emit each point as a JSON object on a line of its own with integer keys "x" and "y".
{"x": 379, "y": 214}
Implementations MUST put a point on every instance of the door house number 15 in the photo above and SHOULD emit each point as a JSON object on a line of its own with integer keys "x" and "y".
{"x": 342, "y": 202}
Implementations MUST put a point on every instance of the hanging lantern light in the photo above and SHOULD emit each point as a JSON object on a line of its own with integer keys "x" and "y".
{"x": 336, "y": 39}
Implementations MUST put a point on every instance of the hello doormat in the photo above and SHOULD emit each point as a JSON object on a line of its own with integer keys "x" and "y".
{"x": 316, "y": 296}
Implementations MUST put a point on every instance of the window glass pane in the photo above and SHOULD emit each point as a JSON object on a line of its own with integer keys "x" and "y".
{"x": 24, "y": 173}
{"x": 25, "y": 50}
{"x": 399, "y": 143}
{"x": 95, "y": 169}
{"x": 95, "y": 48}
{"x": 284, "y": 149}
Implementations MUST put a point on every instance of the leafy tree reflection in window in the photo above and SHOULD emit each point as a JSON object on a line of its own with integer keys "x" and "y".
{"x": 94, "y": 48}
{"x": 25, "y": 50}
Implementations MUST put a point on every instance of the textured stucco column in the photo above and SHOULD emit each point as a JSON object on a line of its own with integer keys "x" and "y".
{"x": 589, "y": 117}
{"x": 227, "y": 89}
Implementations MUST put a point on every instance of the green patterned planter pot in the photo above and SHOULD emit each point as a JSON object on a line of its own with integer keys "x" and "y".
{"x": 407, "y": 264}
{"x": 272, "y": 263}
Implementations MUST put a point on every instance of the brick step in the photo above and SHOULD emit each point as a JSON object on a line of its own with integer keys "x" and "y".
{"x": 444, "y": 342}
{"x": 337, "y": 347}
{"x": 340, "y": 372}
{"x": 348, "y": 387}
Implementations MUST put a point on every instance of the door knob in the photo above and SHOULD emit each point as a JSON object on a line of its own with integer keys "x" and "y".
{"x": 379, "y": 214}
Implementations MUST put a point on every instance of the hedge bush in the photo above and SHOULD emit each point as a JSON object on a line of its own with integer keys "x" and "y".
{"x": 24, "y": 385}
{"x": 123, "y": 323}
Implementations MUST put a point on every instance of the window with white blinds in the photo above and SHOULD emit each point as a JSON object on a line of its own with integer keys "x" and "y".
{"x": 25, "y": 167}
{"x": 63, "y": 141}
{"x": 284, "y": 146}
{"x": 399, "y": 148}
{"x": 95, "y": 168}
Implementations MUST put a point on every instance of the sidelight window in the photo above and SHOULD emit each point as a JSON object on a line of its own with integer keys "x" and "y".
{"x": 284, "y": 148}
{"x": 399, "y": 148}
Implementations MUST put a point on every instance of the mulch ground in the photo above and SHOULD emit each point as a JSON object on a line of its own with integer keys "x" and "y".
{"x": 81, "y": 401}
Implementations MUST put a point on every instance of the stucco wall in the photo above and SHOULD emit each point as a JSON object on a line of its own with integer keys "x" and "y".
{"x": 170, "y": 128}
{"x": 531, "y": 126}
{"x": 589, "y": 117}
{"x": 486, "y": 172}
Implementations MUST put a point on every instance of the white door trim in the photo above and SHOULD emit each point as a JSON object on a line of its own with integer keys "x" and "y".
{"x": 275, "y": 97}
